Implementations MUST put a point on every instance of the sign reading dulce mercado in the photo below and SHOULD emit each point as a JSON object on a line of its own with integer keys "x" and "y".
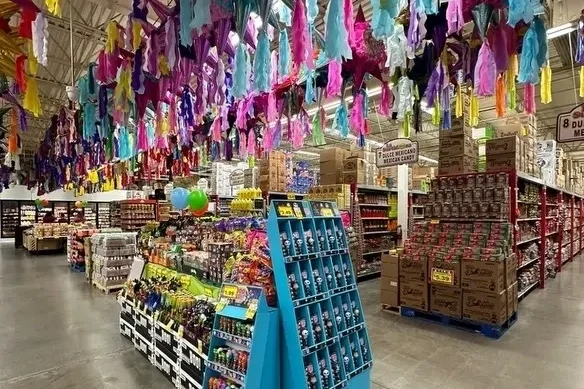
{"x": 570, "y": 125}
{"x": 397, "y": 152}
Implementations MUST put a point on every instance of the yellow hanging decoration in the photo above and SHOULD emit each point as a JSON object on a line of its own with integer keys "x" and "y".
{"x": 459, "y": 102}
{"x": 510, "y": 78}
{"x": 582, "y": 81}
{"x": 546, "y": 84}
{"x": 123, "y": 91}
{"x": 436, "y": 112}
{"x": 53, "y": 7}
{"x": 33, "y": 65}
{"x": 136, "y": 34}
{"x": 163, "y": 65}
{"x": 31, "y": 101}
{"x": 473, "y": 117}
{"x": 113, "y": 36}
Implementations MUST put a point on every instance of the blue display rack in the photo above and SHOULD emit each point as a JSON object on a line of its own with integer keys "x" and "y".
{"x": 250, "y": 331}
{"x": 325, "y": 343}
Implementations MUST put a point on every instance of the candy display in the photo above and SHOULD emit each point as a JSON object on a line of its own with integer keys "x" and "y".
{"x": 9, "y": 218}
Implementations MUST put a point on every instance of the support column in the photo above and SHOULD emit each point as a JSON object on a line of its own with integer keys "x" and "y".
{"x": 402, "y": 199}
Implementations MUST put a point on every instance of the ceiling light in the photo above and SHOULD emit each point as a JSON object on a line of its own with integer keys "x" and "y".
{"x": 557, "y": 31}
{"x": 309, "y": 153}
{"x": 334, "y": 104}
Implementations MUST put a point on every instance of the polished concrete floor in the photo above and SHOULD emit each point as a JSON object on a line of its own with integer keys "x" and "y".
{"x": 57, "y": 333}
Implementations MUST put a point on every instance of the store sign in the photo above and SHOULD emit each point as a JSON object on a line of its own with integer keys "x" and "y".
{"x": 236, "y": 178}
{"x": 570, "y": 125}
{"x": 397, "y": 152}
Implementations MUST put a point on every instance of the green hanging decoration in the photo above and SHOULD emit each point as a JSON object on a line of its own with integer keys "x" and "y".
{"x": 317, "y": 132}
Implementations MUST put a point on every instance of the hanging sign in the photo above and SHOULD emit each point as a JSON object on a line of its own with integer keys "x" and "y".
{"x": 236, "y": 178}
{"x": 397, "y": 152}
{"x": 570, "y": 125}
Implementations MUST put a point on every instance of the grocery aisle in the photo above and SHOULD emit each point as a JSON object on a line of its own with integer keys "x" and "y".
{"x": 58, "y": 334}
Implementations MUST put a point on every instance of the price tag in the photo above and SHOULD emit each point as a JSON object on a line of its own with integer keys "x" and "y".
{"x": 291, "y": 196}
{"x": 229, "y": 291}
{"x": 443, "y": 276}
{"x": 434, "y": 221}
{"x": 208, "y": 292}
{"x": 285, "y": 211}
{"x": 326, "y": 212}
{"x": 251, "y": 311}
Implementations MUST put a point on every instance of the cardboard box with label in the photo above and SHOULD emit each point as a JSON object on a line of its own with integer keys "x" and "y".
{"x": 458, "y": 127}
{"x": 456, "y": 145}
{"x": 484, "y": 307}
{"x": 444, "y": 272}
{"x": 457, "y": 164}
{"x": 389, "y": 291}
{"x": 413, "y": 294}
{"x": 508, "y": 145}
{"x": 413, "y": 268}
{"x": 512, "y": 299}
{"x": 502, "y": 162}
{"x": 354, "y": 164}
{"x": 446, "y": 300}
{"x": 354, "y": 177}
{"x": 390, "y": 265}
{"x": 487, "y": 276}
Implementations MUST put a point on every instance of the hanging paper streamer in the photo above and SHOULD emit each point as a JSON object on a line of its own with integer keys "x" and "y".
{"x": 500, "y": 97}
{"x": 404, "y": 99}
{"x": 112, "y": 37}
{"x": 357, "y": 116}
{"x": 341, "y": 121}
{"x": 220, "y": 81}
{"x": 285, "y": 14}
{"x": 582, "y": 81}
{"x": 297, "y": 133}
{"x": 349, "y": 21}
{"x": 310, "y": 49}
{"x": 171, "y": 44}
{"x": 485, "y": 72}
{"x": 384, "y": 13}
{"x": 546, "y": 84}
{"x": 202, "y": 15}
{"x": 240, "y": 73}
{"x": 459, "y": 102}
{"x": 269, "y": 138}
{"x": 136, "y": 34}
{"x": 284, "y": 55}
{"x": 274, "y": 68}
{"x": 311, "y": 10}
{"x": 529, "y": 98}
{"x": 317, "y": 128}
{"x": 185, "y": 15}
{"x": 299, "y": 33}
{"x": 473, "y": 117}
{"x": 251, "y": 143}
{"x": 396, "y": 50}
{"x": 240, "y": 120}
{"x": 454, "y": 16}
{"x": 40, "y": 35}
{"x": 242, "y": 144}
{"x": 261, "y": 64}
{"x": 272, "y": 107}
{"x": 309, "y": 95}
{"x": 528, "y": 64}
{"x": 335, "y": 79}
{"x": 384, "y": 107}
{"x": 336, "y": 40}
{"x": 520, "y": 10}
{"x": 20, "y": 73}
{"x": 510, "y": 76}
{"x": 31, "y": 101}
{"x": 53, "y": 7}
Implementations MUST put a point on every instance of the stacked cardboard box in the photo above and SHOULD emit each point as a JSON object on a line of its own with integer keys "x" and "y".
{"x": 458, "y": 152}
{"x": 390, "y": 279}
{"x": 273, "y": 172}
{"x": 525, "y": 158}
{"x": 388, "y": 176}
{"x": 220, "y": 178}
{"x": 331, "y": 166}
{"x": 560, "y": 162}
{"x": 461, "y": 270}
{"x": 250, "y": 178}
{"x": 338, "y": 193}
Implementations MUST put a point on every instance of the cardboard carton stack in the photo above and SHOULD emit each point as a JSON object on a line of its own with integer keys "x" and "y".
{"x": 388, "y": 177}
{"x": 220, "y": 174}
{"x": 331, "y": 165}
{"x": 272, "y": 172}
{"x": 389, "y": 283}
{"x": 461, "y": 270}
{"x": 458, "y": 152}
{"x": 338, "y": 193}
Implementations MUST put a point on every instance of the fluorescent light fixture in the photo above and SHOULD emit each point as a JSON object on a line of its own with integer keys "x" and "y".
{"x": 561, "y": 30}
{"x": 334, "y": 104}
{"x": 309, "y": 153}
{"x": 424, "y": 158}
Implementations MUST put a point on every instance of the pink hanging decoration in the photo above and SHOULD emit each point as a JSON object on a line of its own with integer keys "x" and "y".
{"x": 100, "y": 72}
{"x": 349, "y": 21}
{"x": 454, "y": 16}
{"x": 220, "y": 80}
{"x": 251, "y": 143}
{"x": 310, "y": 52}
{"x": 272, "y": 113}
{"x": 485, "y": 74}
{"x": 297, "y": 133}
{"x": 240, "y": 121}
{"x": 171, "y": 46}
{"x": 385, "y": 104}
{"x": 335, "y": 80}
{"x": 172, "y": 116}
{"x": 299, "y": 33}
{"x": 357, "y": 121}
{"x": 529, "y": 98}
{"x": 142, "y": 141}
{"x": 242, "y": 144}
{"x": 216, "y": 129}
{"x": 224, "y": 118}
{"x": 274, "y": 68}
{"x": 269, "y": 138}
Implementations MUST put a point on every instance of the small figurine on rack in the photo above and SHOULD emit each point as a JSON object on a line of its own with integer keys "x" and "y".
{"x": 364, "y": 350}
{"x": 306, "y": 284}
{"x": 338, "y": 275}
{"x": 285, "y": 244}
{"x": 336, "y": 368}
{"x": 329, "y": 277}
{"x": 303, "y": 333}
{"x": 348, "y": 316}
{"x": 297, "y": 243}
{"x": 331, "y": 239}
{"x": 354, "y": 352}
{"x": 340, "y": 239}
{"x": 309, "y": 241}
{"x": 348, "y": 278}
{"x": 346, "y": 359}
{"x": 317, "y": 281}
{"x": 328, "y": 324}
{"x": 356, "y": 312}
{"x": 338, "y": 317}
{"x": 311, "y": 379}
{"x": 294, "y": 287}
{"x": 321, "y": 240}
{"x": 324, "y": 374}
{"x": 316, "y": 329}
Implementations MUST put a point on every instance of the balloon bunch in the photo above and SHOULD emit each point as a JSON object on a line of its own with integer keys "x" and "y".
{"x": 40, "y": 203}
{"x": 196, "y": 200}
{"x": 80, "y": 204}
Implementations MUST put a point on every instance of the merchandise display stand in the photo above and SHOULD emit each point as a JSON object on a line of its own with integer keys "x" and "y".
{"x": 245, "y": 338}
{"x": 9, "y": 218}
{"x": 325, "y": 342}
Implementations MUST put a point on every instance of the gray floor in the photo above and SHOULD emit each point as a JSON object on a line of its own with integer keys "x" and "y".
{"x": 57, "y": 333}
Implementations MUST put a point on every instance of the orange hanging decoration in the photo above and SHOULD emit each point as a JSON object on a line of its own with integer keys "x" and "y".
{"x": 20, "y": 73}
{"x": 500, "y": 96}
{"x": 13, "y": 133}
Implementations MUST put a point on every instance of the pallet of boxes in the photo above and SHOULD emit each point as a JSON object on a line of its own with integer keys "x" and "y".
{"x": 272, "y": 172}
{"x": 461, "y": 275}
{"x": 458, "y": 151}
{"x": 389, "y": 282}
{"x": 338, "y": 166}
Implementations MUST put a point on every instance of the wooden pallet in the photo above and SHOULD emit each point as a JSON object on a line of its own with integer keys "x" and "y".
{"x": 108, "y": 289}
{"x": 488, "y": 330}
{"x": 391, "y": 309}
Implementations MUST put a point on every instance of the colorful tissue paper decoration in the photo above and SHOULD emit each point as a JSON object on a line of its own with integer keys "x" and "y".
{"x": 203, "y": 84}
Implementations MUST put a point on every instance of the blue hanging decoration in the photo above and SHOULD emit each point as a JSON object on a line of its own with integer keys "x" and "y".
{"x": 285, "y": 14}
{"x": 240, "y": 73}
{"x": 520, "y": 10}
{"x": 186, "y": 13}
{"x": 88, "y": 121}
{"x": 384, "y": 14}
{"x": 311, "y": 10}
{"x": 309, "y": 94}
{"x": 284, "y": 55}
{"x": 528, "y": 64}
{"x": 336, "y": 35}
{"x": 341, "y": 121}
{"x": 542, "y": 53}
{"x": 262, "y": 64}
{"x": 91, "y": 84}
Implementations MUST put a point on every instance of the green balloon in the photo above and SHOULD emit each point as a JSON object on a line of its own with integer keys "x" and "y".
{"x": 197, "y": 199}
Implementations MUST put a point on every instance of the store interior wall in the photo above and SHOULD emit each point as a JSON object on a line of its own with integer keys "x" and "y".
{"x": 21, "y": 192}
